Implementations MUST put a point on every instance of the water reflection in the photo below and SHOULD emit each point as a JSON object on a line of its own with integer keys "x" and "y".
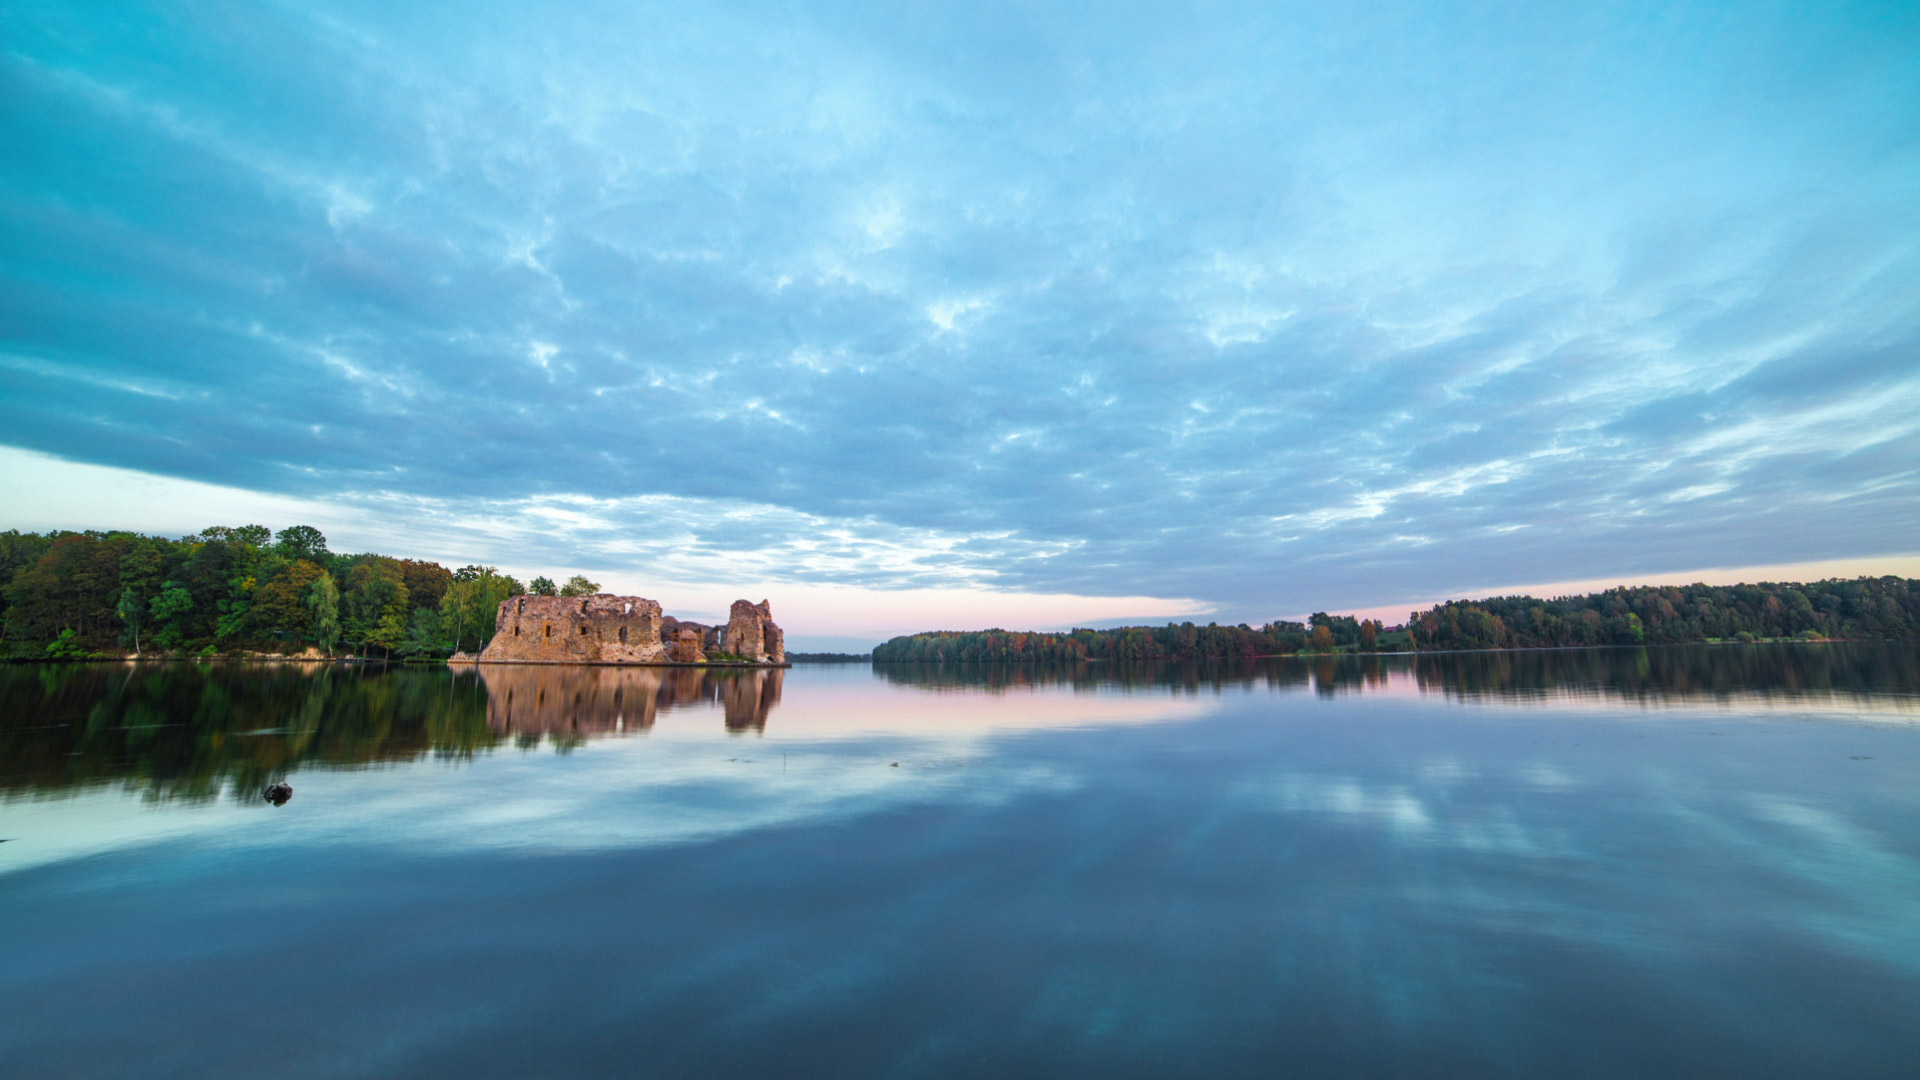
{"x": 1189, "y": 676}
{"x": 1869, "y": 676}
{"x": 1096, "y": 871}
{"x": 193, "y": 731}
{"x": 569, "y": 704}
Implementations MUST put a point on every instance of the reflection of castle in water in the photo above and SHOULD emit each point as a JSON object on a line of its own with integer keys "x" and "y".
{"x": 583, "y": 701}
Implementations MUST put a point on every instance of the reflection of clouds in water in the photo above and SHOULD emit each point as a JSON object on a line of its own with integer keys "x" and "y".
{"x": 1871, "y": 885}
{"x": 1539, "y": 774}
{"x": 1343, "y": 797}
{"x": 1618, "y": 874}
{"x": 873, "y": 708}
{"x": 1406, "y": 813}
{"x": 1446, "y": 770}
{"x": 625, "y": 795}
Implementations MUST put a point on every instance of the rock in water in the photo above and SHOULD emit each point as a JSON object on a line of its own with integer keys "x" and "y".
{"x": 278, "y": 794}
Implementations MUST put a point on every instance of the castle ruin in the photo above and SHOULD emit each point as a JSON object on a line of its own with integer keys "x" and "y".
{"x": 606, "y": 629}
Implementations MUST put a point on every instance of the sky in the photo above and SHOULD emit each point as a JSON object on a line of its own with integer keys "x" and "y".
{"x": 924, "y": 315}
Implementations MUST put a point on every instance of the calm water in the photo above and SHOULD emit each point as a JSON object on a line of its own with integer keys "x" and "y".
{"x": 1659, "y": 862}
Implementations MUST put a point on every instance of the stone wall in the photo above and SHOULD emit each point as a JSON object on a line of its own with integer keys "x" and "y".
{"x": 599, "y": 629}
{"x": 752, "y": 635}
{"x": 607, "y": 629}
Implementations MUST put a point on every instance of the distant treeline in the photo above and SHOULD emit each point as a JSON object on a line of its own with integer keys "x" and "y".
{"x": 238, "y": 589}
{"x": 828, "y": 658}
{"x": 1854, "y": 608}
{"x": 1857, "y": 608}
{"x": 1174, "y": 641}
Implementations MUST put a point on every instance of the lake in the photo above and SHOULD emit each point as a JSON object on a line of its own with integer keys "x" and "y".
{"x": 1698, "y": 861}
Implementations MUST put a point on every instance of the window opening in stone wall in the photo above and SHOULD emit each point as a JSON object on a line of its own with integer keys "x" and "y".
{"x": 623, "y": 635}
{"x": 583, "y": 629}
{"x": 516, "y": 629}
{"x": 583, "y": 607}
{"x": 628, "y": 610}
{"x": 549, "y": 629}
{"x": 522, "y": 609}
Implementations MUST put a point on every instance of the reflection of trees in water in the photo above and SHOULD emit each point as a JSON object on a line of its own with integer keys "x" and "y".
{"x": 1190, "y": 676}
{"x": 565, "y": 703}
{"x": 1879, "y": 671}
{"x": 1882, "y": 672}
{"x": 1334, "y": 675}
{"x": 193, "y": 731}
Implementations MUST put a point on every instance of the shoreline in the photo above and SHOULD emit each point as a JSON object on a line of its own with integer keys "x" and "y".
{"x": 393, "y": 661}
{"x": 743, "y": 664}
{"x": 752, "y": 665}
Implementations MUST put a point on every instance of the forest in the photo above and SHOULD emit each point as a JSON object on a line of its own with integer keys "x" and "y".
{"x": 1174, "y": 641}
{"x": 1845, "y": 608}
{"x": 239, "y": 589}
{"x": 1841, "y": 608}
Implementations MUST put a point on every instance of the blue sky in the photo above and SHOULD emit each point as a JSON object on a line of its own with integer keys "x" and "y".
{"x": 1236, "y": 309}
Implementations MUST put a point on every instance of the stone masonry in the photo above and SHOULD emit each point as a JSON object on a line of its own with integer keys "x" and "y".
{"x": 752, "y": 635}
{"x": 606, "y": 629}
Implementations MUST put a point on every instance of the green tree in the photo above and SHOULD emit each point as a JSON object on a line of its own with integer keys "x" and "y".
{"x": 302, "y": 542}
{"x": 74, "y": 586}
{"x": 133, "y": 611}
{"x": 323, "y": 599}
{"x": 470, "y": 606}
{"x": 374, "y": 604}
{"x": 250, "y": 535}
{"x": 143, "y": 572}
{"x": 578, "y": 585}
{"x": 425, "y": 636}
{"x": 18, "y": 551}
{"x": 66, "y": 647}
{"x": 171, "y": 609}
{"x": 426, "y": 582}
{"x": 281, "y": 607}
{"x": 542, "y": 586}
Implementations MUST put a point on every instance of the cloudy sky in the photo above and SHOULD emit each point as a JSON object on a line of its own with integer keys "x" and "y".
{"x": 906, "y": 315}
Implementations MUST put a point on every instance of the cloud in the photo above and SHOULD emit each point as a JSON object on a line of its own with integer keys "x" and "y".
{"x": 1273, "y": 310}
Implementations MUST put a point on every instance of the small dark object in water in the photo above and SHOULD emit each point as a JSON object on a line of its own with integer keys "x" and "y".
{"x": 895, "y": 765}
{"x": 1857, "y": 757}
{"x": 278, "y": 794}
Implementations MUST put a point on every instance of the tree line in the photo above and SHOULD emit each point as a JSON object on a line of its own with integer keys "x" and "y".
{"x": 1174, "y": 641}
{"x": 1838, "y": 608}
{"x": 230, "y": 589}
{"x": 1850, "y": 608}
